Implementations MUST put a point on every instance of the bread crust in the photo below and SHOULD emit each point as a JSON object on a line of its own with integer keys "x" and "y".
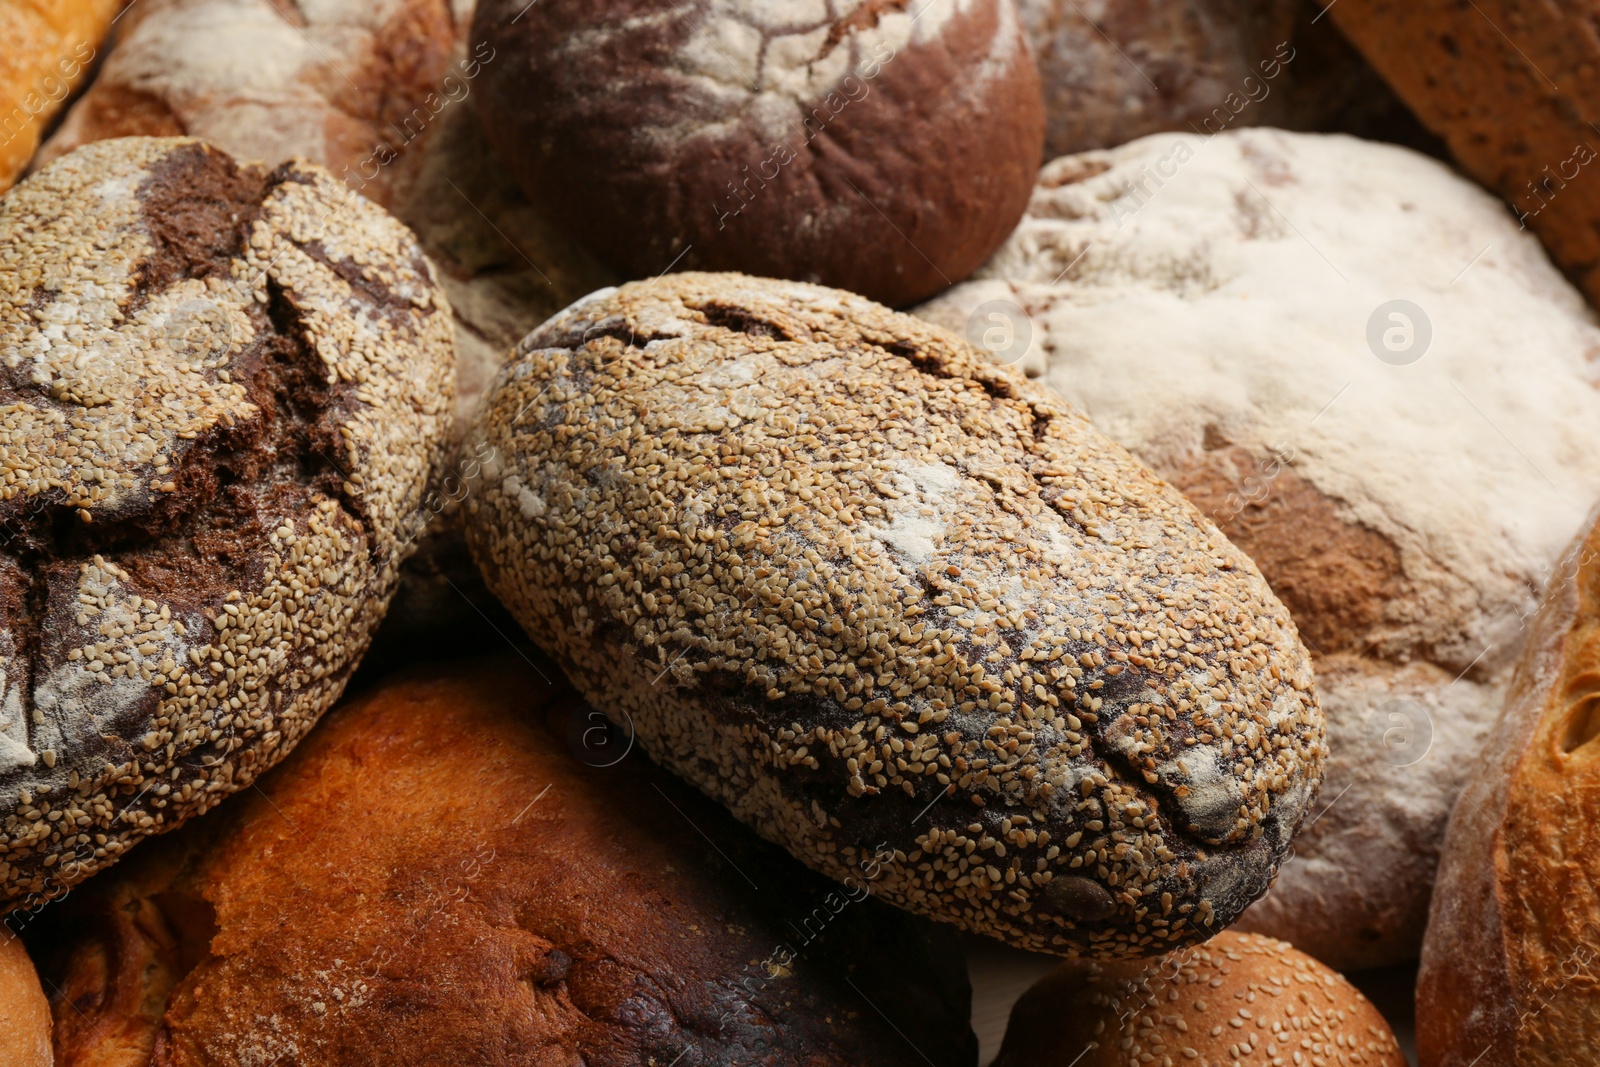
{"x": 860, "y": 586}
{"x": 432, "y": 877}
{"x": 880, "y": 146}
{"x": 225, "y": 390}
{"x": 1509, "y": 961}
{"x": 24, "y": 1013}
{"x": 50, "y": 49}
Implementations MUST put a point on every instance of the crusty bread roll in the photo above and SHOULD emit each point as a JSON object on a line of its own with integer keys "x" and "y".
{"x": 1511, "y": 964}
{"x": 24, "y": 1013}
{"x": 1406, "y": 504}
{"x": 884, "y": 148}
{"x": 1238, "y": 999}
{"x": 863, "y": 587}
{"x": 1513, "y": 87}
{"x": 49, "y": 48}
{"x": 227, "y": 390}
{"x": 432, "y": 878}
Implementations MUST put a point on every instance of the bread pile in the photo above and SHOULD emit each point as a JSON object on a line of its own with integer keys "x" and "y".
{"x": 1193, "y": 552}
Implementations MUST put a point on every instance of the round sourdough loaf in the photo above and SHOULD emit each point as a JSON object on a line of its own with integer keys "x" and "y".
{"x": 882, "y": 146}
{"x": 1224, "y": 309}
{"x": 224, "y": 391}
{"x": 433, "y": 879}
{"x": 872, "y": 593}
{"x": 1239, "y": 998}
{"x": 24, "y": 1013}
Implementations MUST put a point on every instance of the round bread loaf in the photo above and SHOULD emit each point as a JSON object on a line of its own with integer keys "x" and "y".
{"x": 225, "y": 390}
{"x": 885, "y": 148}
{"x": 24, "y": 1012}
{"x": 1406, "y": 503}
{"x": 871, "y": 592}
{"x": 433, "y": 879}
{"x": 1238, "y": 999}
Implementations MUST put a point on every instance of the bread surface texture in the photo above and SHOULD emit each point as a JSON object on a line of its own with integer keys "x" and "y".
{"x": 1508, "y": 966}
{"x": 226, "y": 389}
{"x": 885, "y": 148}
{"x": 433, "y": 877}
{"x": 51, "y": 46}
{"x": 1222, "y": 308}
{"x": 860, "y": 586}
{"x": 24, "y": 1012}
{"x": 1237, "y": 999}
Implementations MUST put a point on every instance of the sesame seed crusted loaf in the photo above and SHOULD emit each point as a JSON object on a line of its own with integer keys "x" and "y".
{"x": 1240, "y": 999}
{"x": 223, "y": 392}
{"x": 869, "y": 590}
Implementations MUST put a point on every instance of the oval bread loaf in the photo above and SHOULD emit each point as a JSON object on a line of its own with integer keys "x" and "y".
{"x": 871, "y": 591}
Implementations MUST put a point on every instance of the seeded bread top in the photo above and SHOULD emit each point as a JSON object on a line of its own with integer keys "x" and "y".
{"x": 221, "y": 393}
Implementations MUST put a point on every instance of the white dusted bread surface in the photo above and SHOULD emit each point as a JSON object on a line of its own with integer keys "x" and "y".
{"x": 882, "y": 598}
{"x": 1223, "y": 308}
{"x": 1508, "y": 967}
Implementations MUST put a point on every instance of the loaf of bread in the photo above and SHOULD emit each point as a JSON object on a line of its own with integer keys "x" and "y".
{"x": 355, "y": 86}
{"x": 863, "y": 588}
{"x": 884, "y": 148}
{"x": 227, "y": 390}
{"x": 1239, "y": 998}
{"x": 1406, "y": 503}
{"x": 50, "y": 48}
{"x": 1509, "y": 969}
{"x": 1513, "y": 87}
{"x": 24, "y": 1013}
{"x": 433, "y": 878}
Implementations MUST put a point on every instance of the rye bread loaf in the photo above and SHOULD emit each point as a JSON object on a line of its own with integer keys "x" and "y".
{"x": 863, "y": 588}
{"x": 1513, "y": 87}
{"x": 1509, "y": 969}
{"x": 1239, "y": 998}
{"x": 50, "y": 49}
{"x": 352, "y": 85}
{"x": 882, "y": 146}
{"x": 225, "y": 391}
{"x": 1406, "y": 513}
{"x": 24, "y": 1013}
{"x": 432, "y": 878}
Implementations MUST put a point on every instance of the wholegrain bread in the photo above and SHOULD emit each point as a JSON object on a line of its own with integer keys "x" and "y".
{"x": 863, "y": 588}
{"x": 1508, "y": 966}
{"x": 433, "y": 878}
{"x": 1407, "y": 506}
{"x": 226, "y": 390}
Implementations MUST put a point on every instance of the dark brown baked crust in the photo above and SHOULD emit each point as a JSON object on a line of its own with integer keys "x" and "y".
{"x": 433, "y": 878}
{"x": 223, "y": 392}
{"x": 1510, "y": 957}
{"x": 1511, "y": 86}
{"x": 863, "y": 586}
{"x": 882, "y": 147}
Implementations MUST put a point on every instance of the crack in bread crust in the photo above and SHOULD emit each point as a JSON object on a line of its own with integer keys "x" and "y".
{"x": 225, "y": 391}
{"x": 866, "y": 589}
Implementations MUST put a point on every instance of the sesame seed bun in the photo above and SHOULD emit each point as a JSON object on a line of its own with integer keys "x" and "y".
{"x": 1239, "y": 999}
{"x": 873, "y": 592}
{"x": 224, "y": 392}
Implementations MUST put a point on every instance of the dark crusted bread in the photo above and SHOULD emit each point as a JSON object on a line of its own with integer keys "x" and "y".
{"x": 1509, "y": 963}
{"x": 1239, "y": 999}
{"x": 223, "y": 392}
{"x": 882, "y": 146}
{"x": 433, "y": 878}
{"x": 862, "y": 586}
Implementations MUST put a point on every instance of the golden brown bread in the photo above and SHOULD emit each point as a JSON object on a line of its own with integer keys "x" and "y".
{"x": 1509, "y": 969}
{"x": 1237, "y": 999}
{"x": 433, "y": 878}
{"x": 49, "y": 47}
{"x": 24, "y": 1013}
